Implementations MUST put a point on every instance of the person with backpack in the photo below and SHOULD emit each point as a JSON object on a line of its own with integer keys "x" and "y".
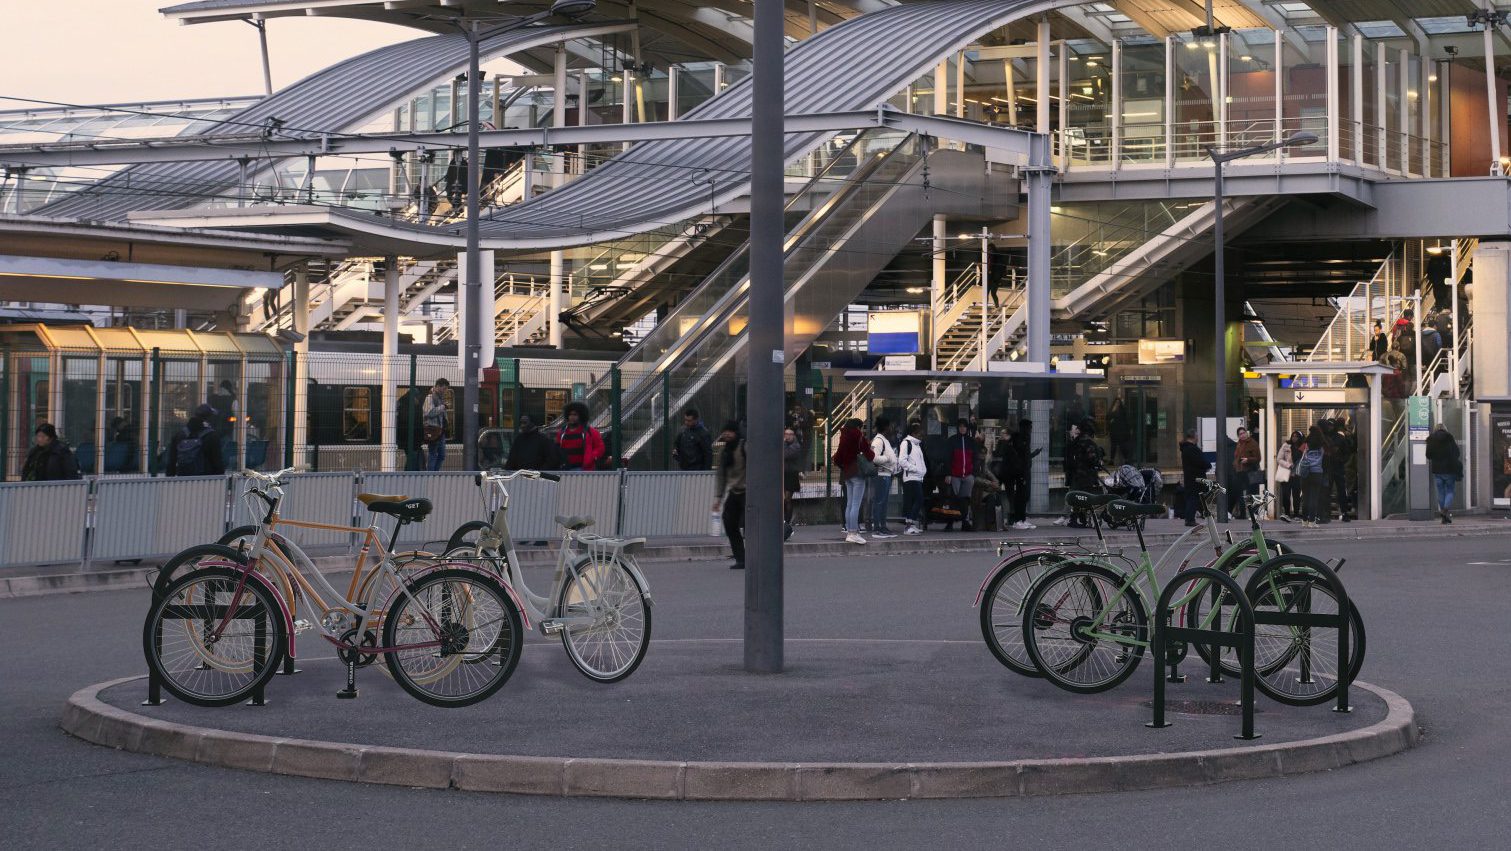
{"x": 436, "y": 419}
{"x": 1310, "y": 471}
{"x": 856, "y": 463}
{"x": 195, "y": 450}
{"x": 880, "y": 484}
{"x": 50, "y": 459}
{"x": 914, "y": 469}
{"x": 729, "y": 485}
{"x": 581, "y": 445}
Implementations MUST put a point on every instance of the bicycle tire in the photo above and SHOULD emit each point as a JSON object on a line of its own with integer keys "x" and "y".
{"x": 1277, "y": 647}
{"x": 1005, "y": 638}
{"x": 478, "y": 603}
{"x": 459, "y": 538}
{"x": 633, "y": 607}
{"x": 1191, "y": 614}
{"x": 251, "y": 668}
{"x": 1096, "y": 583}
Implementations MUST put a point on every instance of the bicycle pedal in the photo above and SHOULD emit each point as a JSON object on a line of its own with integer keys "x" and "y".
{"x": 551, "y": 627}
{"x": 301, "y": 625}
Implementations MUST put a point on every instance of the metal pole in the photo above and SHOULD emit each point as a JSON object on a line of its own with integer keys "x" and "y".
{"x": 156, "y": 405}
{"x": 985, "y": 313}
{"x": 666, "y": 419}
{"x": 267, "y": 70}
{"x": 1416, "y": 357}
{"x": 763, "y": 400}
{"x": 288, "y": 409}
{"x": 472, "y": 345}
{"x": 1040, "y": 182}
{"x": 1453, "y": 295}
{"x": 5, "y": 447}
{"x": 1220, "y": 362}
{"x": 411, "y": 408}
{"x": 616, "y": 424}
{"x": 1490, "y": 92}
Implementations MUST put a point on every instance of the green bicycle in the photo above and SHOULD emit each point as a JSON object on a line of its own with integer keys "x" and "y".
{"x": 1085, "y": 623}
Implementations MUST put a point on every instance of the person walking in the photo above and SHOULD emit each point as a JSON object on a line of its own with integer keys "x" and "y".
{"x": 961, "y": 479}
{"x": 793, "y": 456}
{"x": 195, "y": 449}
{"x": 1017, "y": 463}
{"x": 855, "y": 461}
{"x": 880, "y": 484}
{"x": 1119, "y": 432}
{"x": 913, "y": 469}
{"x": 693, "y": 448}
{"x": 1446, "y": 464}
{"x": 50, "y": 459}
{"x": 729, "y": 484}
{"x": 1287, "y": 483}
{"x": 1246, "y": 473}
{"x": 532, "y": 450}
{"x": 1193, "y": 468}
{"x": 436, "y": 420}
{"x": 408, "y": 431}
{"x": 1314, "y": 478}
{"x": 581, "y": 444}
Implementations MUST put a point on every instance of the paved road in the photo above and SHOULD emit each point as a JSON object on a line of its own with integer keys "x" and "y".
{"x": 1432, "y": 607}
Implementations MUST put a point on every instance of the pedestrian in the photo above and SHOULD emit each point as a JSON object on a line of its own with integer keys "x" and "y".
{"x": 913, "y": 469}
{"x": 1314, "y": 478}
{"x": 1016, "y": 467}
{"x": 855, "y": 460}
{"x": 1379, "y": 344}
{"x": 984, "y": 493}
{"x": 1193, "y": 468}
{"x": 532, "y": 450}
{"x": 1403, "y": 323}
{"x": 436, "y": 422}
{"x": 961, "y": 480}
{"x": 1287, "y": 484}
{"x": 408, "y": 430}
{"x": 693, "y": 448}
{"x": 880, "y": 484}
{"x": 1446, "y": 464}
{"x": 729, "y": 485}
{"x": 793, "y": 456}
{"x": 223, "y": 400}
{"x": 581, "y": 444}
{"x": 1083, "y": 463}
{"x": 50, "y": 459}
{"x": 195, "y": 449}
{"x": 1345, "y": 472}
{"x": 1119, "y": 431}
{"x": 1432, "y": 343}
{"x": 1247, "y": 477}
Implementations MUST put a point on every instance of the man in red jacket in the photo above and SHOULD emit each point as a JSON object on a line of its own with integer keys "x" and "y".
{"x": 581, "y": 444}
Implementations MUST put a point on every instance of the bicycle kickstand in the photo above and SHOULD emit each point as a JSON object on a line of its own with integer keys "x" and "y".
{"x": 350, "y": 692}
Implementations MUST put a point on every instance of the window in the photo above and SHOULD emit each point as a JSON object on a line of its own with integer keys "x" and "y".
{"x": 356, "y": 410}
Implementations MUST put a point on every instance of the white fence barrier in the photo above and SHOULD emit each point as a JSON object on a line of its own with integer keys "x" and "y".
{"x": 140, "y": 518}
{"x": 42, "y": 522}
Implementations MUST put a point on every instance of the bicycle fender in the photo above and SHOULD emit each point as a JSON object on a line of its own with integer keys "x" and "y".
{"x": 632, "y": 567}
{"x": 1033, "y": 552}
{"x": 524, "y": 613}
{"x": 283, "y": 605}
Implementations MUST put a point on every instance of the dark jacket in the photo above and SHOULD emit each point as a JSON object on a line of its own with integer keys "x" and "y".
{"x": 793, "y": 456}
{"x": 209, "y": 447}
{"x": 693, "y": 449}
{"x": 1083, "y": 458}
{"x": 1443, "y": 457}
{"x": 409, "y": 422}
{"x": 533, "y": 451}
{"x": 1193, "y": 464}
{"x": 51, "y": 463}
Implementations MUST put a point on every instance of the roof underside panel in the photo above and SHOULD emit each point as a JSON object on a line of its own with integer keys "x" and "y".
{"x": 332, "y": 100}
{"x": 1356, "y": 11}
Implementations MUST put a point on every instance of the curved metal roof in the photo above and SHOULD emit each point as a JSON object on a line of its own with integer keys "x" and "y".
{"x": 331, "y": 100}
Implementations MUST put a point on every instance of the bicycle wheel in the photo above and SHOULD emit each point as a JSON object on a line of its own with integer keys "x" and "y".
{"x": 438, "y": 622}
{"x": 1193, "y": 613}
{"x": 612, "y": 646}
{"x": 465, "y": 535}
{"x": 212, "y": 636}
{"x": 1299, "y": 665}
{"x": 239, "y": 539}
{"x": 1082, "y": 630}
{"x": 1002, "y": 609}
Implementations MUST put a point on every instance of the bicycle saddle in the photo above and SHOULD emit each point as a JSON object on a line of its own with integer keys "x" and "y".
{"x": 575, "y": 522}
{"x": 1120, "y": 510}
{"x": 405, "y": 509}
{"x": 1084, "y": 501}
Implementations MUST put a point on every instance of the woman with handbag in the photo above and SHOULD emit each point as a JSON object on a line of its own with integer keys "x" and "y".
{"x": 856, "y": 462}
{"x": 1285, "y": 463}
{"x": 435, "y": 421}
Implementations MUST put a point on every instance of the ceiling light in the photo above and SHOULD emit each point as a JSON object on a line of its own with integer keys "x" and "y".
{"x": 1246, "y": 58}
{"x": 916, "y": 290}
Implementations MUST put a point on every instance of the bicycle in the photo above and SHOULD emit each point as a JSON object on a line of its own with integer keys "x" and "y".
{"x": 599, "y": 602}
{"x": 1085, "y": 623}
{"x": 218, "y": 631}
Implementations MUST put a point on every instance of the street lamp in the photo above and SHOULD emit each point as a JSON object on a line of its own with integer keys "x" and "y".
{"x": 472, "y": 291}
{"x": 1219, "y": 159}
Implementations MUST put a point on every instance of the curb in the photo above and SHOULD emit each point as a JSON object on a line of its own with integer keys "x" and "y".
{"x": 87, "y": 717}
{"x": 136, "y": 577}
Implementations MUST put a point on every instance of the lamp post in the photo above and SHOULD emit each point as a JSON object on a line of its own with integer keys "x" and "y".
{"x": 1220, "y": 365}
{"x": 472, "y": 290}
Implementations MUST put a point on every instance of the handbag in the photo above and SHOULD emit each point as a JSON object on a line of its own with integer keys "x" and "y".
{"x": 1282, "y": 474}
{"x": 864, "y": 466}
{"x": 432, "y": 433}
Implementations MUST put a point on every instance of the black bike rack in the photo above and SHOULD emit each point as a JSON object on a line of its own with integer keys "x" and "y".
{"x": 259, "y": 652}
{"x": 1242, "y": 640}
{"x": 1304, "y": 618}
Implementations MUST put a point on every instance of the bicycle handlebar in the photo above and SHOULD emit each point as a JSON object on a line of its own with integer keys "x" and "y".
{"x": 271, "y": 478}
{"x": 501, "y": 476}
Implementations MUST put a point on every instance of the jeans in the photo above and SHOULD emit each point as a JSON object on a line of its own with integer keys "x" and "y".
{"x": 734, "y": 524}
{"x": 1446, "y": 484}
{"x": 1017, "y": 499}
{"x": 912, "y": 502}
{"x": 437, "y": 455}
{"x": 962, "y": 489}
{"x": 880, "y": 490}
{"x": 855, "y": 494}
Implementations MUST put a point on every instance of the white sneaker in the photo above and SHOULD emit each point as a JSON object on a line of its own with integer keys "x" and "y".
{"x": 912, "y": 530}
{"x": 1024, "y": 525}
{"x": 854, "y": 538}
{"x": 1062, "y": 521}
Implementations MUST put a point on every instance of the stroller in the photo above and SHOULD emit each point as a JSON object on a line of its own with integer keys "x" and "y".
{"x": 1141, "y": 486}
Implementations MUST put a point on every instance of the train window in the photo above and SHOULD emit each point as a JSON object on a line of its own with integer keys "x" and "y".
{"x": 356, "y": 412}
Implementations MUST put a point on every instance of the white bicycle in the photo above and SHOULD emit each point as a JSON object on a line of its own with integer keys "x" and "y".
{"x": 599, "y": 602}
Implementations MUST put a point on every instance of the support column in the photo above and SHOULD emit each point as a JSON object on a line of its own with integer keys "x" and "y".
{"x": 942, "y": 88}
{"x": 1376, "y": 462}
{"x": 390, "y": 401}
{"x": 555, "y": 303}
{"x": 1334, "y": 107}
{"x": 1356, "y": 79}
{"x": 1495, "y": 108}
{"x": 1117, "y": 105}
{"x": 1492, "y": 320}
{"x": 1040, "y": 179}
{"x": 1380, "y": 112}
{"x": 939, "y": 281}
{"x": 559, "y": 109}
{"x": 673, "y": 79}
{"x": 1403, "y": 79}
{"x": 301, "y": 316}
{"x": 1041, "y": 83}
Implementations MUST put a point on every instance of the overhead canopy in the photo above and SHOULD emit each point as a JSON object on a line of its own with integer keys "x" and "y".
{"x": 1039, "y": 386}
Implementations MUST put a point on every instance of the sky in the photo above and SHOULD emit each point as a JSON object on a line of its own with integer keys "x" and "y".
{"x": 115, "y": 51}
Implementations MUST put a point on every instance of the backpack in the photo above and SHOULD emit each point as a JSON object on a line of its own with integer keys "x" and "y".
{"x": 189, "y": 454}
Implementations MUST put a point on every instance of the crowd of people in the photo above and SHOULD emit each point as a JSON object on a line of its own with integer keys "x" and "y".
{"x": 1397, "y": 348}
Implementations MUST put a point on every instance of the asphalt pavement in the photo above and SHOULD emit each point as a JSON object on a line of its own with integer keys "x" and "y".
{"x": 1432, "y": 607}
